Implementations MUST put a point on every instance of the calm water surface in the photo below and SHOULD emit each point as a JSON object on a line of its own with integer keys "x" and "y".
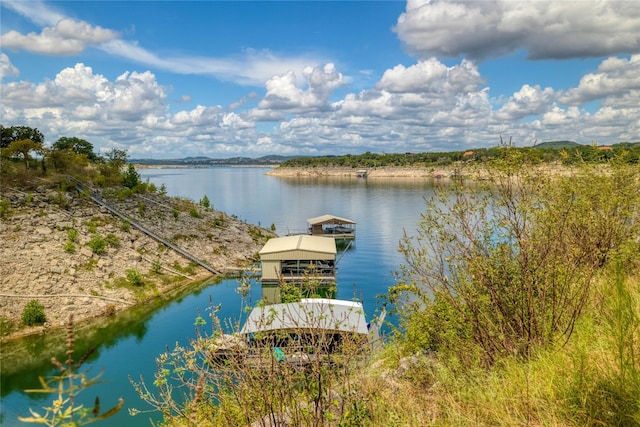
{"x": 382, "y": 208}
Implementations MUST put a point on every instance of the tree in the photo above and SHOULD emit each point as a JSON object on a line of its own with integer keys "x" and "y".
{"x": 111, "y": 168}
{"x": 131, "y": 178}
{"x": 16, "y": 133}
{"x": 77, "y": 145}
{"x": 117, "y": 158}
{"x": 22, "y": 149}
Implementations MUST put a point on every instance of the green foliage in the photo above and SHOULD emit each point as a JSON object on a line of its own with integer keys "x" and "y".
{"x": 22, "y": 150}
{"x": 33, "y": 313}
{"x": 622, "y": 385}
{"x": 5, "y": 208}
{"x": 76, "y": 146}
{"x": 92, "y": 226}
{"x": 135, "y": 278}
{"x": 98, "y": 244}
{"x": 65, "y": 409}
{"x": 290, "y": 293}
{"x": 568, "y": 154}
{"x": 72, "y": 235}
{"x": 69, "y": 247}
{"x": 131, "y": 178}
{"x": 7, "y": 326}
{"x": 195, "y": 213}
{"x": 142, "y": 208}
{"x": 16, "y": 133}
{"x": 205, "y": 202}
{"x": 515, "y": 261}
{"x": 112, "y": 240}
{"x": 156, "y": 267}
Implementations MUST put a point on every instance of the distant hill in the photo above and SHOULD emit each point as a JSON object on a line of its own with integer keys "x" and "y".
{"x": 271, "y": 160}
{"x": 557, "y": 144}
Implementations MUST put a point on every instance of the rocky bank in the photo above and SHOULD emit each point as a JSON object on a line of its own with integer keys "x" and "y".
{"x": 466, "y": 169}
{"x": 48, "y": 252}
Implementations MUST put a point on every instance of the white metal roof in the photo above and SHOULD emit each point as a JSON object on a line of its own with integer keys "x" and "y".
{"x": 308, "y": 313}
{"x": 301, "y": 242}
{"x": 329, "y": 219}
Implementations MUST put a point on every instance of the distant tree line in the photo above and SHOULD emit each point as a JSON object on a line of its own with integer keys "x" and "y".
{"x": 562, "y": 153}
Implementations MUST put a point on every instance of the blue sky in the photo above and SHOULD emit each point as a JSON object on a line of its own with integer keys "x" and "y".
{"x": 172, "y": 79}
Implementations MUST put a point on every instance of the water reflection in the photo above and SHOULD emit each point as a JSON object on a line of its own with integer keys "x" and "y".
{"x": 21, "y": 358}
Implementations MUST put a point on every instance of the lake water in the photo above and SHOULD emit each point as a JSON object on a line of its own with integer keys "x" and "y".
{"x": 127, "y": 346}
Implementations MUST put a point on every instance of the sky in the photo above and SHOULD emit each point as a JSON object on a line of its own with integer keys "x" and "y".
{"x": 176, "y": 79}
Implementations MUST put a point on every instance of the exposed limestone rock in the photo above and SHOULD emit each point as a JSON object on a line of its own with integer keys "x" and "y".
{"x": 46, "y": 251}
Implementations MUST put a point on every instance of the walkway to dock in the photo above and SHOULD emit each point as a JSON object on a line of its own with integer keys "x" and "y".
{"x": 96, "y": 197}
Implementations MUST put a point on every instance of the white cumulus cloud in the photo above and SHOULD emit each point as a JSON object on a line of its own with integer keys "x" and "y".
{"x": 545, "y": 29}
{"x": 67, "y": 37}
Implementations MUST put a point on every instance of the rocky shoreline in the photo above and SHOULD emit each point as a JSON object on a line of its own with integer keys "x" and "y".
{"x": 382, "y": 172}
{"x": 49, "y": 242}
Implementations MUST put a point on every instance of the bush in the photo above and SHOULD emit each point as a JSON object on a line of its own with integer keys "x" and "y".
{"x": 33, "y": 313}
{"x": 515, "y": 261}
{"x": 5, "y": 208}
{"x": 205, "y": 202}
{"x": 97, "y": 244}
{"x": 131, "y": 178}
{"x": 112, "y": 240}
{"x": 134, "y": 277}
{"x": 69, "y": 247}
{"x": 72, "y": 235}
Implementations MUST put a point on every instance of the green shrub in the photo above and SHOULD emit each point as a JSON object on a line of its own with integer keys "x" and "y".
{"x": 72, "y": 235}
{"x": 131, "y": 178}
{"x": 5, "y": 208}
{"x": 69, "y": 247}
{"x": 33, "y": 313}
{"x": 112, "y": 240}
{"x": 205, "y": 202}
{"x": 134, "y": 277}
{"x": 194, "y": 213}
{"x": 98, "y": 244}
{"x": 156, "y": 267}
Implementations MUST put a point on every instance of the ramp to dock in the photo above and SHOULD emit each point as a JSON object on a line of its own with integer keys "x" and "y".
{"x": 96, "y": 197}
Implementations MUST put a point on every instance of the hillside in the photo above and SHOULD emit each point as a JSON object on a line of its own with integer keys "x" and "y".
{"x": 558, "y": 144}
{"x": 76, "y": 257}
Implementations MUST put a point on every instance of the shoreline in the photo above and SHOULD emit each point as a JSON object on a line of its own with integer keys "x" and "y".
{"x": 382, "y": 172}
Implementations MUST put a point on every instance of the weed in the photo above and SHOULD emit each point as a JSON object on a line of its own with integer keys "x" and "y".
{"x": 69, "y": 247}
{"x": 65, "y": 410}
{"x": 135, "y": 278}
{"x": 33, "y": 314}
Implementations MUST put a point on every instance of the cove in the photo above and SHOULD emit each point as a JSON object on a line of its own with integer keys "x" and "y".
{"x": 127, "y": 345}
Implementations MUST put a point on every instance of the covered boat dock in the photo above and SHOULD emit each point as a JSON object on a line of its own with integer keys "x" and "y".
{"x": 332, "y": 226}
{"x": 297, "y": 259}
{"x": 309, "y": 322}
